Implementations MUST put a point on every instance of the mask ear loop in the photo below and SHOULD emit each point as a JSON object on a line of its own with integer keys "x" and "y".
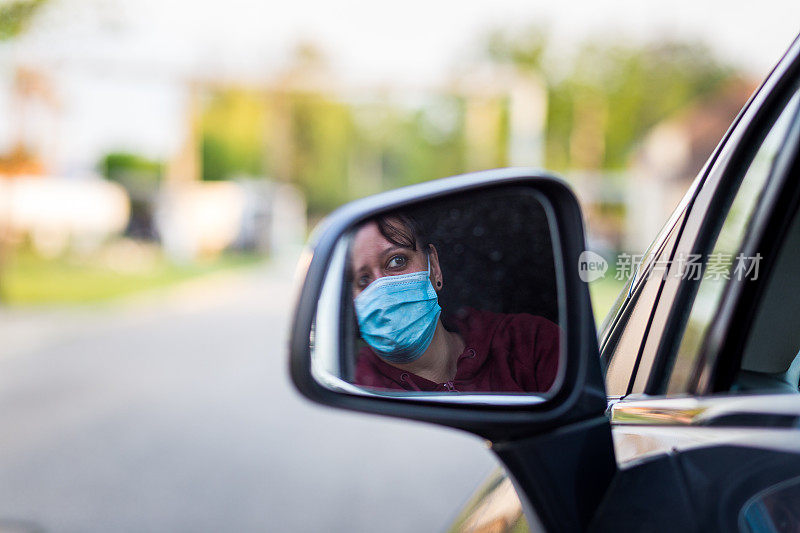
{"x": 438, "y": 283}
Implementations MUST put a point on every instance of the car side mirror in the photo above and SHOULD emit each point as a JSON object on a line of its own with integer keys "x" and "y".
{"x": 456, "y": 301}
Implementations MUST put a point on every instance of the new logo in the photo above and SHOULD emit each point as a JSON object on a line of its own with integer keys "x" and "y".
{"x": 591, "y": 266}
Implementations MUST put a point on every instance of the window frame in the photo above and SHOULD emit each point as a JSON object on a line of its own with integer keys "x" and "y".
{"x": 636, "y": 319}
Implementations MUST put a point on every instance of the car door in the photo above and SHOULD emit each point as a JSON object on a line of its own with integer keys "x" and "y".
{"x": 707, "y": 424}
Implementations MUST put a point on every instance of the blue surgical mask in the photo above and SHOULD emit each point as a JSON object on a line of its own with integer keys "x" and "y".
{"x": 397, "y": 315}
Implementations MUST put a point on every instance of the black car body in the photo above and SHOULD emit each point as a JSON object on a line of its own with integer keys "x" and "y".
{"x": 700, "y": 427}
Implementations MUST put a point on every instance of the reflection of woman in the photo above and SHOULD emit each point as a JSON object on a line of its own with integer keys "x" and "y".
{"x": 396, "y": 278}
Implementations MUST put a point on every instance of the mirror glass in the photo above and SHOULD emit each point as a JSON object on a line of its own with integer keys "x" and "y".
{"x": 449, "y": 297}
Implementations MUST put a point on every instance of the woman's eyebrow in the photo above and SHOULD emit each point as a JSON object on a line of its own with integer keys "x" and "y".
{"x": 382, "y": 255}
{"x": 392, "y": 249}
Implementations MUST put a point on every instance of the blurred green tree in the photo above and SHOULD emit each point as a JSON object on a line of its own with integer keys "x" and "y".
{"x": 410, "y": 144}
{"x": 141, "y": 177}
{"x": 603, "y": 101}
{"x": 321, "y": 135}
{"x": 337, "y": 150}
{"x": 232, "y": 134}
{"x": 624, "y": 91}
{"x": 124, "y": 166}
{"x": 16, "y": 16}
{"x": 525, "y": 48}
{"x": 433, "y": 144}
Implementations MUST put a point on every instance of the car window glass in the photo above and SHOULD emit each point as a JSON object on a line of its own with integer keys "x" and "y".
{"x": 769, "y": 359}
{"x": 722, "y": 263}
{"x": 667, "y": 231}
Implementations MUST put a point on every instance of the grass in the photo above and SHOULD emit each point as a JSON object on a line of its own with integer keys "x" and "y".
{"x": 604, "y": 292}
{"x": 27, "y": 279}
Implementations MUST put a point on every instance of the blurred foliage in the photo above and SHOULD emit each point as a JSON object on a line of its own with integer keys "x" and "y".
{"x": 233, "y": 134}
{"x": 333, "y": 150}
{"x": 141, "y": 178}
{"x": 125, "y": 166}
{"x": 603, "y": 101}
{"x": 342, "y": 151}
{"x": 320, "y": 132}
{"x": 525, "y": 49}
{"x": 633, "y": 89}
{"x": 16, "y": 15}
{"x": 32, "y": 280}
{"x": 604, "y": 292}
{"x": 411, "y": 144}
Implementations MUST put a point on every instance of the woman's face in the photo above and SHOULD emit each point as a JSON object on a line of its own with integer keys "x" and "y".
{"x": 373, "y": 257}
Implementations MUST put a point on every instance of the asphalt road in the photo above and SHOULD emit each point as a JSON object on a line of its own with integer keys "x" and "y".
{"x": 174, "y": 412}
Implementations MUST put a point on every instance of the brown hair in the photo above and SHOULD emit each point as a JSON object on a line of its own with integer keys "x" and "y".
{"x": 403, "y": 230}
{"x": 399, "y": 229}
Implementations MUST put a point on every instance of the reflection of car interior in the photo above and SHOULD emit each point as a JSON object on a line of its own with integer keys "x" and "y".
{"x": 770, "y": 360}
{"x": 495, "y": 255}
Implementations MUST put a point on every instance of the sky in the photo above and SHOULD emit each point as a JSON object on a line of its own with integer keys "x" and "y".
{"x": 391, "y": 40}
{"x": 120, "y": 65}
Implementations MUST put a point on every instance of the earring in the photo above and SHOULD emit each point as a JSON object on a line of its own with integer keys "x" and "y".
{"x": 439, "y": 284}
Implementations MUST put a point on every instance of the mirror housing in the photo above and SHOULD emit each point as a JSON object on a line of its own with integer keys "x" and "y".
{"x": 580, "y": 394}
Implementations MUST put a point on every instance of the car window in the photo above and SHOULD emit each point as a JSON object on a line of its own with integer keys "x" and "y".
{"x": 721, "y": 265}
{"x": 623, "y": 353}
{"x": 617, "y": 315}
{"x": 769, "y": 359}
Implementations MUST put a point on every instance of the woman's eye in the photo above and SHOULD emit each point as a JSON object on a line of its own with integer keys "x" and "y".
{"x": 397, "y": 261}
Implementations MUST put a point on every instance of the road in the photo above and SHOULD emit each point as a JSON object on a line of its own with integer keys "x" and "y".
{"x": 174, "y": 412}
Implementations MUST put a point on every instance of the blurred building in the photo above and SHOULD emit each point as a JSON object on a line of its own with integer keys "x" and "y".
{"x": 56, "y": 208}
{"x": 201, "y": 219}
{"x": 37, "y": 206}
{"x": 54, "y": 214}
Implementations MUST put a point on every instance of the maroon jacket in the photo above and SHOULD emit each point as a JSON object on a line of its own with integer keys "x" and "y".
{"x": 503, "y": 353}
